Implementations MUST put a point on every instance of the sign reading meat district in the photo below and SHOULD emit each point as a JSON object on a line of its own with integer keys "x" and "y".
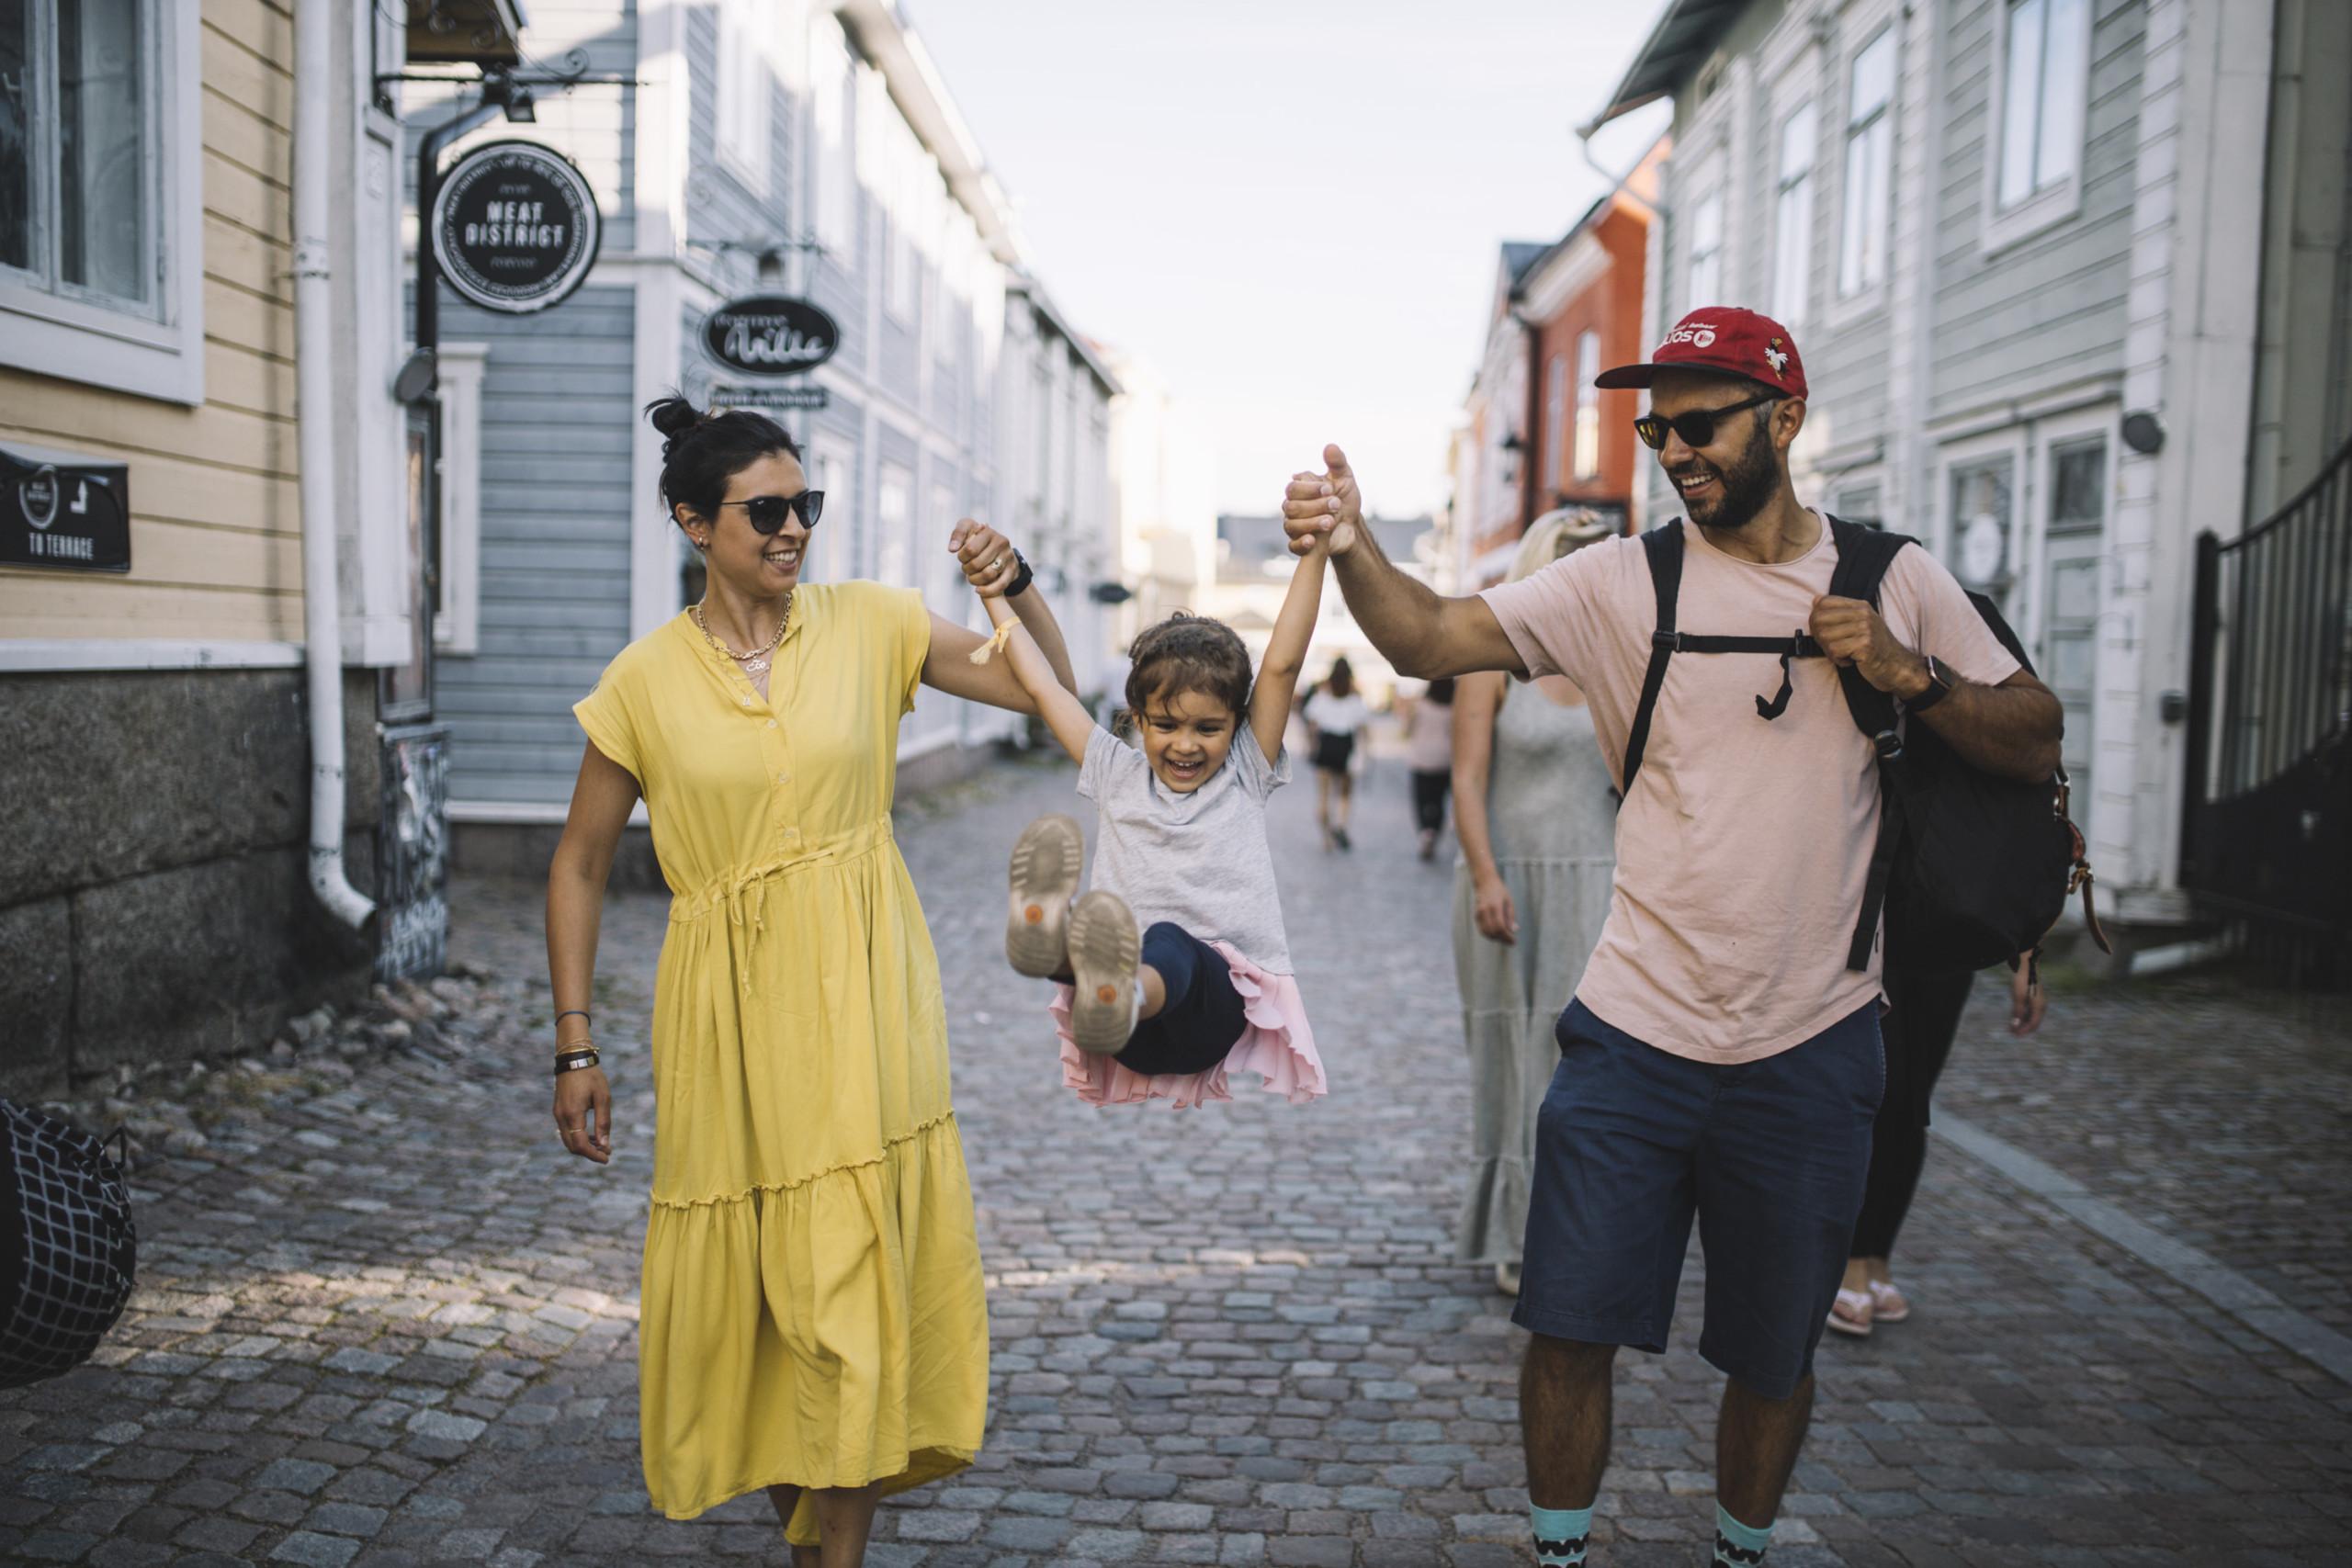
{"x": 516, "y": 227}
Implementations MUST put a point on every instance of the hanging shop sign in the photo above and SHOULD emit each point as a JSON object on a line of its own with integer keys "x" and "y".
{"x": 69, "y": 515}
{"x": 516, "y": 227}
{"x": 770, "y": 334}
{"x": 793, "y": 398}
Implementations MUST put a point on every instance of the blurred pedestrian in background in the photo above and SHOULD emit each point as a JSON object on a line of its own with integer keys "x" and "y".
{"x": 1429, "y": 753}
{"x": 1923, "y": 1009}
{"x": 1533, "y": 809}
{"x": 1336, "y": 716}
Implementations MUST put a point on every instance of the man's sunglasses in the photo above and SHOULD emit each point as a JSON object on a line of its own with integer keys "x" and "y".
{"x": 768, "y": 513}
{"x": 1697, "y": 428}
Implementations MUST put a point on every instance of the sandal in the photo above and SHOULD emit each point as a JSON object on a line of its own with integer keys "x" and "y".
{"x": 1046, "y": 862}
{"x": 1888, "y": 1303}
{"x": 1103, "y": 953}
{"x": 1851, "y": 1312}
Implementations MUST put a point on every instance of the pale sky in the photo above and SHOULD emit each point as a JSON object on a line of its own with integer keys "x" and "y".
{"x": 1291, "y": 208}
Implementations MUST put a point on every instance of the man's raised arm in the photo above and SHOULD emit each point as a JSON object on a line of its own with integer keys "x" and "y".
{"x": 1421, "y": 633}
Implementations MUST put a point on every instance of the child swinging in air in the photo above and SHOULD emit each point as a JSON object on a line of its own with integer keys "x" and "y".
{"x": 1174, "y": 970}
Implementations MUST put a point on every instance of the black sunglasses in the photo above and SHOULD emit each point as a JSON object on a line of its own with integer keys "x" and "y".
{"x": 1697, "y": 428}
{"x": 768, "y": 513}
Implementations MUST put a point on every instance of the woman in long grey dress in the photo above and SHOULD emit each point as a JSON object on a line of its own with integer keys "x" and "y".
{"x": 1538, "y": 823}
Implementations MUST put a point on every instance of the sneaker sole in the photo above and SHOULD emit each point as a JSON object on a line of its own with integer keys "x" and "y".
{"x": 1047, "y": 859}
{"x": 1105, "y": 951}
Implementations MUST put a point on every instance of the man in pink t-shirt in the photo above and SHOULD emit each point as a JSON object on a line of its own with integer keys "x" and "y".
{"x": 1720, "y": 1059}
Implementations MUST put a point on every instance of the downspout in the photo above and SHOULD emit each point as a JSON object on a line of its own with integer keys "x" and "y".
{"x": 314, "y": 80}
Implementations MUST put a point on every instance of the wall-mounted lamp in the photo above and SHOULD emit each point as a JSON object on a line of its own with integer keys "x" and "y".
{"x": 2144, "y": 431}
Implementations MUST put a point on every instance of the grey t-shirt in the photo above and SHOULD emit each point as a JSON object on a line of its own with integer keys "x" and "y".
{"x": 1200, "y": 860}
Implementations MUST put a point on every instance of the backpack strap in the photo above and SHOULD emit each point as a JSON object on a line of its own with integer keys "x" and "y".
{"x": 1662, "y": 547}
{"x": 1863, "y": 557}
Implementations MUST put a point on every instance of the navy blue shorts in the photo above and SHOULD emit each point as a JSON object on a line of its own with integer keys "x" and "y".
{"x": 1771, "y": 1154}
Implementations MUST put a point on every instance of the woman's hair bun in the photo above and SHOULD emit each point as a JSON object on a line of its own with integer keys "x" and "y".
{"x": 672, "y": 415}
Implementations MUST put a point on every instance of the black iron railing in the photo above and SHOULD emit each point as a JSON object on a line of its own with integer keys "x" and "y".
{"x": 2267, "y": 832}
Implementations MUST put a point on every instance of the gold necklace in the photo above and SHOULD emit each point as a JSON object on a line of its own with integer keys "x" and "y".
{"x": 756, "y": 662}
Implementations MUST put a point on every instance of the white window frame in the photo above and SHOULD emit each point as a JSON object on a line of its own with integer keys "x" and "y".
{"x": 2046, "y": 206}
{"x": 1587, "y": 434}
{"x": 1793, "y": 218}
{"x": 744, "y": 91}
{"x": 457, "y": 630}
{"x": 834, "y": 173}
{"x": 1556, "y": 420}
{"x": 57, "y": 331}
{"x": 2010, "y": 442}
{"x": 2103, "y": 422}
{"x": 894, "y": 524}
{"x": 1859, "y": 290}
{"x": 1705, "y": 267}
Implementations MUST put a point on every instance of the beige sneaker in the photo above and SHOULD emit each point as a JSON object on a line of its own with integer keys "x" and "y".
{"x": 1047, "y": 859}
{"x": 1104, "y": 950}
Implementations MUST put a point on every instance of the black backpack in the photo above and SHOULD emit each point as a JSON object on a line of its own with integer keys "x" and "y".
{"x": 1970, "y": 869}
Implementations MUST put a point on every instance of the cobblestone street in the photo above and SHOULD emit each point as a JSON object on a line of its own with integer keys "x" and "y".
{"x": 395, "y": 1325}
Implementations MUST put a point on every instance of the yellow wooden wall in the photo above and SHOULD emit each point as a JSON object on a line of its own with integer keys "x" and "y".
{"x": 216, "y": 522}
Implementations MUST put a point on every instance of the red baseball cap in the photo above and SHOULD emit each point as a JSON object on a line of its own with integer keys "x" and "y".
{"x": 1723, "y": 338}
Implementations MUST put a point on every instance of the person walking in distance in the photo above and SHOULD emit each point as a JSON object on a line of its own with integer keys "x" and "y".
{"x": 1536, "y": 813}
{"x": 1336, "y": 716}
{"x": 1923, "y": 1008}
{"x": 1428, "y": 756}
{"x": 814, "y": 1319}
{"x": 1720, "y": 1058}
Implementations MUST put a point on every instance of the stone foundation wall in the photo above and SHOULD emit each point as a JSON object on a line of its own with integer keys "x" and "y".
{"x": 155, "y": 890}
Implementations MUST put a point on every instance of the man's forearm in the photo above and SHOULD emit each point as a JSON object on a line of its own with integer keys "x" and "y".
{"x": 2010, "y": 730}
{"x": 1399, "y": 614}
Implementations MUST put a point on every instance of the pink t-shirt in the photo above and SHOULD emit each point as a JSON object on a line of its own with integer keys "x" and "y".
{"x": 1743, "y": 851}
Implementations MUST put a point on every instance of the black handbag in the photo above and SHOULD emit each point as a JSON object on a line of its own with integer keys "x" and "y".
{"x": 68, "y": 1250}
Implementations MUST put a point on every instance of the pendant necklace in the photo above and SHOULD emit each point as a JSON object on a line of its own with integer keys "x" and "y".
{"x": 756, "y": 662}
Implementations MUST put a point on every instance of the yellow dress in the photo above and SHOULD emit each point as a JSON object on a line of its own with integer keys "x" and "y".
{"x": 813, "y": 1313}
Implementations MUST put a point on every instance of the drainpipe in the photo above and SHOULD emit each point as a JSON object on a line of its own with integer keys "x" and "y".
{"x": 314, "y": 79}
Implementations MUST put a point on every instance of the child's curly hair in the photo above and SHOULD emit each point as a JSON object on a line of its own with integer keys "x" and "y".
{"x": 1188, "y": 653}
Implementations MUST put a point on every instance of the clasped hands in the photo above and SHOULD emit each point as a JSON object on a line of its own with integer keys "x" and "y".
{"x": 986, "y": 556}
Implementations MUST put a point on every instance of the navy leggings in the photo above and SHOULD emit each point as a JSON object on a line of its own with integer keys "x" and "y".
{"x": 1203, "y": 1016}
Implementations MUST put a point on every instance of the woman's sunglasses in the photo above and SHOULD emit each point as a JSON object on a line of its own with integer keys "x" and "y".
{"x": 768, "y": 513}
{"x": 1697, "y": 428}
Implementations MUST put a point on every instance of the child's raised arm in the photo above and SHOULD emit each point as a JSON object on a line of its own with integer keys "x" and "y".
{"x": 1286, "y": 651}
{"x": 1063, "y": 713}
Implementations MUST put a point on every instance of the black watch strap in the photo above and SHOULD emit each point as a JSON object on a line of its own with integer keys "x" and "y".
{"x": 1021, "y": 579}
{"x": 1939, "y": 687}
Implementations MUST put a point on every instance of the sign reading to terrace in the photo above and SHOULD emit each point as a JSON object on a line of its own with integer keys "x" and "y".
{"x": 770, "y": 334}
{"x": 515, "y": 227}
{"x": 74, "y": 515}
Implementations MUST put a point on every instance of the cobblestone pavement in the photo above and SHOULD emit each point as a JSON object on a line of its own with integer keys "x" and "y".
{"x": 390, "y": 1324}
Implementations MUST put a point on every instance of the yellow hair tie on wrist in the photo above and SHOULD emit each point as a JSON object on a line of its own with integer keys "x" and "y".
{"x": 996, "y": 643}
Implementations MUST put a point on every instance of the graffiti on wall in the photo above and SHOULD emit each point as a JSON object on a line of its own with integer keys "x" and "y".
{"x": 413, "y": 856}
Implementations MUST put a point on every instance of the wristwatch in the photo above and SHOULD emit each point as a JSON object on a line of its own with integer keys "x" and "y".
{"x": 1022, "y": 578}
{"x": 1939, "y": 685}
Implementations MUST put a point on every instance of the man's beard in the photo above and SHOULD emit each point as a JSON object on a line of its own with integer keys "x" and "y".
{"x": 1748, "y": 485}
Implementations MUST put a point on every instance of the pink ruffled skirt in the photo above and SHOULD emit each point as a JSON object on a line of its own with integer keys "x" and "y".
{"x": 1276, "y": 1045}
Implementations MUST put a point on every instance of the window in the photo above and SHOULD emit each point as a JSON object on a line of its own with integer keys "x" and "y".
{"x": 1983, "y": 501}
{"x": 1588, "y": 405}
{"x": 2043, "y": 83}
{"x": 1555, "y": 418}
{"x": 101, "y": 187}
{"x": 457, "y": 628}
{"x": 894, "y": 521}
{"x": 2074, "y": 542}
{"x": 746, "y": 86}
{"x": 1793, "y": 221}
{"x": 1861, "y": 503}
{"x": 1869, "y": 168}
{"x": 1706, "y": 250}
{"x": 836, "y": 198}
{"x": 913, "y": 178}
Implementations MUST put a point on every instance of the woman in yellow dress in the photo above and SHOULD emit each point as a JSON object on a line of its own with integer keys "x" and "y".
{"x": 812, "y": 1318}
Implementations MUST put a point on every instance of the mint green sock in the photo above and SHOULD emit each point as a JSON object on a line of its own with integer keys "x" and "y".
{"x": 1738, "y": 1545}
{"x": 1560, "y": 1535}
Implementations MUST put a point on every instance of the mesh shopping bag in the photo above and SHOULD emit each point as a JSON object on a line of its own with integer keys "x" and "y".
{"x": 67, "y": 1249}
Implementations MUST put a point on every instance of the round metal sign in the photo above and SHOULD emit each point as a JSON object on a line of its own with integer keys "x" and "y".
{"x": 770, "y": 334}
{"x": 515, "y": 227}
